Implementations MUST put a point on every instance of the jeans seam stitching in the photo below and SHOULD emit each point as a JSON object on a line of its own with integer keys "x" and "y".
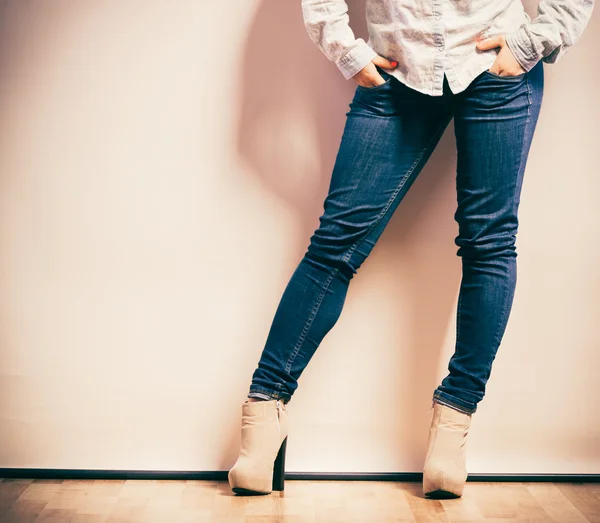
{"x": 458, "y": 316}
{"x": 348, "y": 255}
{"x": 309, "y": 322}
{"x": 504, "y": 317}
{"x": 395, "y": 194}
{"x": 528, "y": 94}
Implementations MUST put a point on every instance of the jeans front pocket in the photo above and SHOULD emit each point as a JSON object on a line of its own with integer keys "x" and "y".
{"x": 508, "y": 77}
{"x": 386, "y": 76}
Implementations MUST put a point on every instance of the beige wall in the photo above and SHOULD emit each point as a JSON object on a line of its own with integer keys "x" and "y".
{"x": 161, "y": 171}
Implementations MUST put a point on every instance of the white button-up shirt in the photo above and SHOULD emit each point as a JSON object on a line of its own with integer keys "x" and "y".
{"x": 431, "y": 37}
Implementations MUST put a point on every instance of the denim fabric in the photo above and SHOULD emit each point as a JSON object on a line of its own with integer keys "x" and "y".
{"x": 389, "y": 134}
{"x": 433, "y": 38}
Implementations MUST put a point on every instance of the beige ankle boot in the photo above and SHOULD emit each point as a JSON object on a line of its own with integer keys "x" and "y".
{"x": 445, "y": 469}
{"x": 260, "y": 466}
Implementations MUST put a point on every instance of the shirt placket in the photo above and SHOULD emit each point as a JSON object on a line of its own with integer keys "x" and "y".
{"x": 440, "y": 47}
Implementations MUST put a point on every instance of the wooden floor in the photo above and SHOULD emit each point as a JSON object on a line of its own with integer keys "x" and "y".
{"x": 150, "y": 501}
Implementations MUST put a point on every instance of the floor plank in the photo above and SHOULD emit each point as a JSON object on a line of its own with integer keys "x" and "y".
{"x": 165, "y": 501}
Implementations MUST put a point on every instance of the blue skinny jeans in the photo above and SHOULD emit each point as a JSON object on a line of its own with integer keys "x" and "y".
{"x": 389, "y": 134}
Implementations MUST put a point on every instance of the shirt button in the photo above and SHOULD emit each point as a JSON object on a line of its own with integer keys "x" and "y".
{"x": 437, "y": 17}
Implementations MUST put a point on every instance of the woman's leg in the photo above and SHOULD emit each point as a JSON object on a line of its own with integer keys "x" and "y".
{"x": 389, "y": 134}
{"x": 495, "y": 119}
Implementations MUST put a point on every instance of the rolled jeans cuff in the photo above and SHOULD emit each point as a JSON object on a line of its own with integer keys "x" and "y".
{"x": 267, "y": 395}
{"x": 455, "y": 403}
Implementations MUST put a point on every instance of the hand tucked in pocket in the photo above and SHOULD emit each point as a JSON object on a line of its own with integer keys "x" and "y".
{"x": 368, "y": 76}
{"x": 506, "y": 64}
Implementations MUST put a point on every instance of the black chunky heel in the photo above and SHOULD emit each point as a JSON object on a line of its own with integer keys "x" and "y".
{"x": 279, "y": 468}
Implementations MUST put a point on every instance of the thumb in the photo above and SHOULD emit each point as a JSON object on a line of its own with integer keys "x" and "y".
{"x": 384, "y": 62}
{"x": 489, "y": 43}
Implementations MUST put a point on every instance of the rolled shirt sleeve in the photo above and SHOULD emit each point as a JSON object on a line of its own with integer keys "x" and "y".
{"x": 557, "y": 26}
{"x": 327, "y": 23}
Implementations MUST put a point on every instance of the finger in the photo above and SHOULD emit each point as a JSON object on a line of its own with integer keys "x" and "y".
{"x": 385, "y": 63}
{"x": 490, "y": 43}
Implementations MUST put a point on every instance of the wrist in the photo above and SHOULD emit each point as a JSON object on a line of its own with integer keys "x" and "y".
{"x": 522, "y": 48}
{"x": 356, "y": 59}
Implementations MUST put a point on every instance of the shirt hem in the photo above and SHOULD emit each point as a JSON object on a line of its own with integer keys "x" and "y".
{"x": 456, "y": 86}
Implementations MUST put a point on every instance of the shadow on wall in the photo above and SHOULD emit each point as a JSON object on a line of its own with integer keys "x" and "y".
{"x": 286, "y": 83}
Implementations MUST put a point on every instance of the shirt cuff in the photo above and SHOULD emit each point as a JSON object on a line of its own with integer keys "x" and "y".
{"x": 356, "y": 59}
{"x": 523, "y": 48}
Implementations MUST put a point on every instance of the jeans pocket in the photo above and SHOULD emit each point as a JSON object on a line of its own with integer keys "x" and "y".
{"x": 507, "y": 77}
{"x": 386, "y": 76}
